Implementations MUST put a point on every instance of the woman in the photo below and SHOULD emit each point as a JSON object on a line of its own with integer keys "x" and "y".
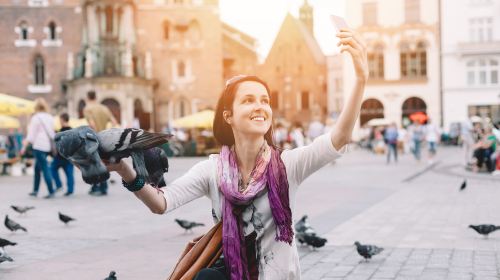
{"x": 253, "y": 185}
{"x": 40, "y": 133}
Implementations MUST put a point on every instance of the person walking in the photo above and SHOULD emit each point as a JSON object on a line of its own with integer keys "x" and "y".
{"x": 391, "y": 138}
{"x": 40, "y": 134}
{"x": 253, "y": 185}
{"x": 98, "y": 116}
{"x": 417, "y": 136}
{"x": 432, "y": 137}
{"x": 60, "y": 162}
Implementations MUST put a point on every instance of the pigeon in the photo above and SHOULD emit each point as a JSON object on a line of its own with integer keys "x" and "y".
{"x": 156, "y": 164}
{"x": 5, "y": 242}
{"x": 313, "y": 240}
{"x": 112, "y": 276}
{"x": 187, "y": 225}
{"x": 13, "y": 226}
{"x": 302, "y": 227}
{"x": 118, "y": 143}
{"x": 367, "y": 251}
{"x": 81, "y": 147}
{"x": 65, "y": 218}
{"x": 4, "y": 257}
{"x": 484, "y": 230}
{"x": 22, "y": 210}
{"x": 464, "y": 185}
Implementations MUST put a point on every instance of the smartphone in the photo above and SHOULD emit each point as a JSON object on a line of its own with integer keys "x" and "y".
{"x": 338, "y": 22}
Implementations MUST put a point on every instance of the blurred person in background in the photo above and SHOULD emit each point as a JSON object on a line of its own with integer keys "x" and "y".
{"x": 432, "y": 137}
{"x": 391, "y": 139}
{"x": 40, "y": 133}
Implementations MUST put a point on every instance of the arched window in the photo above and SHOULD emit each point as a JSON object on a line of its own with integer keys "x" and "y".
{"x": 114, "y": 107}
{"x": 39, "y": 70}
{"x": 52, "y": 31}
{"x": 166, "y": 30}
{"x": 413, "y": 61}
{"x": 413, "y": 105}
{"x": 376, "y": 62}
{"x": 482, "y": 72}
{"x": 23, "y": 30}
{"x": 371, "y": 109}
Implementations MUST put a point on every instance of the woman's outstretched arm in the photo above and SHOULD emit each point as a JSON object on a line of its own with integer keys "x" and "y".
{"x": 342, "y": 131}
{"x": 149, "y": 195}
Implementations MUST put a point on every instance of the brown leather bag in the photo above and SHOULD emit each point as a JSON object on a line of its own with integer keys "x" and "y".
{"x": 201, "y": 252}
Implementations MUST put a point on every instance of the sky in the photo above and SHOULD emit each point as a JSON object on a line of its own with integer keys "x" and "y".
{"x": 262, "y": 19}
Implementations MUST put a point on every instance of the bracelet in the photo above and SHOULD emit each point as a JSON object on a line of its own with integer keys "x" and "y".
{"x": 135, "y": 185}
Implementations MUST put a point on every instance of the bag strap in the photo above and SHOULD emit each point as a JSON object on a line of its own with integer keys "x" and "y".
{"x": 45, "y": 129}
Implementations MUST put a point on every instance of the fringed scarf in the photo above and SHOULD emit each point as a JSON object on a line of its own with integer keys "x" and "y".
{"x": 269, "y": 171}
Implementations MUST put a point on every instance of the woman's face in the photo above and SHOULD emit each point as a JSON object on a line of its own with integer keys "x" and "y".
{"x": 252, "y": 114}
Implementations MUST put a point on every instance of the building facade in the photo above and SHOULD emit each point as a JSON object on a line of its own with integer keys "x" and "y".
{"x": 471, "y": 59}
{"x": 295, "y": 69}
{"x": 402, "y": 38}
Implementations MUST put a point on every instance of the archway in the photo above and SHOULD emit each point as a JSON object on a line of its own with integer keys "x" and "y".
{"x": 371, "y": 109}
{"x": 114, "y": 107}
{"x": 410, "y": 106}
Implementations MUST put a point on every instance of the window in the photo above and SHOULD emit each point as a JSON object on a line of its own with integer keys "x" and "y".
{"x": 52, "y": 31}
{"x": 166, "y": 30}
{"x": 39, "y": 70}
{"x": 109, "y": 19}
{"x": 23, "y": 30}
{"x": 370, "y": 13}
{"x": 181, "y": 69}
{"x": 194, "y": 32}
{"x": 412, "y": 11}
{"x": 304, "y": 100}
{"x": 376, "y": 62}
{"x": 481, "y": 29}
{"x": 275, "y": 100}
{"x": 482, "y": 72}
{"x": 413, "y": 62}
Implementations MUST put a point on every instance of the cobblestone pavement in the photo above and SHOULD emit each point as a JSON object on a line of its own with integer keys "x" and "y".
{"x": 413, "y": 210}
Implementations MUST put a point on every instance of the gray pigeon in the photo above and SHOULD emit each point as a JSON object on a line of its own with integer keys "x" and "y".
{"x": 302, "y": 228}
{"x": 117, "y": 143}
{"x": 156, "y": 164}
{"x": 65, "y": 218}
{"x": 5, "y": 242}
{"x": 367, "y": 251}
{"x": 13, "y": 226}
{"x": 112, "y": 276}
{"x": 22, "y": 210}
{"x": 187, "y": 225}
{"x": 463, "y": 185}
{"x": 4, "y": 258}
{"x": 484, "y": 230}
{"x": 80, "y": 146}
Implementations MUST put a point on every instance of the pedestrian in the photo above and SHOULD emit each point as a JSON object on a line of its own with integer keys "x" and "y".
{"x": 253, "y": 185}
{"x": 297, "y": 135}
{"x": 316, "y": 128}
{"x": 485, "y": 148}
{"x": 417, "y": 136}
{"x": 391, "y": 138}
{"x": 60, "y": 162}
{"x": 98, "y": 116}
{"x": 467, "y": 138}
{"x": 40, "y": 134}
{"x": 432, "y": 137}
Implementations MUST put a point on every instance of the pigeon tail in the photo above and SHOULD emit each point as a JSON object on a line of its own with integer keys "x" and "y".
{"x": 140, "y": 165}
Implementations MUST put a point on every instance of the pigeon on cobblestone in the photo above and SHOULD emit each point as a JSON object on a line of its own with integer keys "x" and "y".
{"x": 313, "y": 240}
{"x": 305, "y": 234}
{"x": 187, "y": 225}
{"x": 22, "y": 210}
{"x": 4, "y": 258}
{"x": 112, "y": 276}
{"x": 367, "y": 251}
{"x": 484, "y": 230}
{"x": 13, "y": 226}
{"x": 463, "y": 185}
{"x": 118, "y": 143}
{"x": 5, "y": 242}
{"x": 65, "y": 218}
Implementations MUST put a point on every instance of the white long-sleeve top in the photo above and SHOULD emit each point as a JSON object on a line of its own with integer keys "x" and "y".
{"x": 40, "y": 128}
{"x": 277, "y": 260}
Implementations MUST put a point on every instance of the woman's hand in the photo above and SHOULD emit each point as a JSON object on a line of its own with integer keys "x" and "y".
{"x": 122, "y": 168}
{"x": 351, "y": 43}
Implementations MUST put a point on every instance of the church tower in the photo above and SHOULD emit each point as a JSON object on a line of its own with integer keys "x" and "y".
{"x": 306, "y": 16}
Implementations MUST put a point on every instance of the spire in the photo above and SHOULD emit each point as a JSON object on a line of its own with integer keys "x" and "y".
{"x": 306, "y": 16}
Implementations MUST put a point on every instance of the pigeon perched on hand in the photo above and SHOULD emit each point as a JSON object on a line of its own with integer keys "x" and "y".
{"x": 464, "y": 185}
{"x": 4, "y": 258}
{"x": 367, "y": 251}
{"x": 5, "y": 242}
{"x": 484, "y": 230}
{"x": 22, "y": 210}
{"x": 65, "y": 218}
{"x": 118, "y": 143}
{"x": 81, "y": 146}
{"x": 187, "y": 225}
{"x": 112, "y": 276}
{"x": 156, "y": 162}
{"x": 12, "y": 225}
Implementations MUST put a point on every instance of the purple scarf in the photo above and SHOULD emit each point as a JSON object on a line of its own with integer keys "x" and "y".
{"x": 269, "y": 171}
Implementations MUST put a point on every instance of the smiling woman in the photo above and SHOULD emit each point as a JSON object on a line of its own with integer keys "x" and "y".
{"x": 252, "y": 184}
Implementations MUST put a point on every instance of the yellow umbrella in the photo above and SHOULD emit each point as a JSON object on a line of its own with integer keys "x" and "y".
{"x": 72, "y": 122}
{"x": 9, "y": 122}
{"x": 14, "y": 106}
{"x": 202, "y": 119}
